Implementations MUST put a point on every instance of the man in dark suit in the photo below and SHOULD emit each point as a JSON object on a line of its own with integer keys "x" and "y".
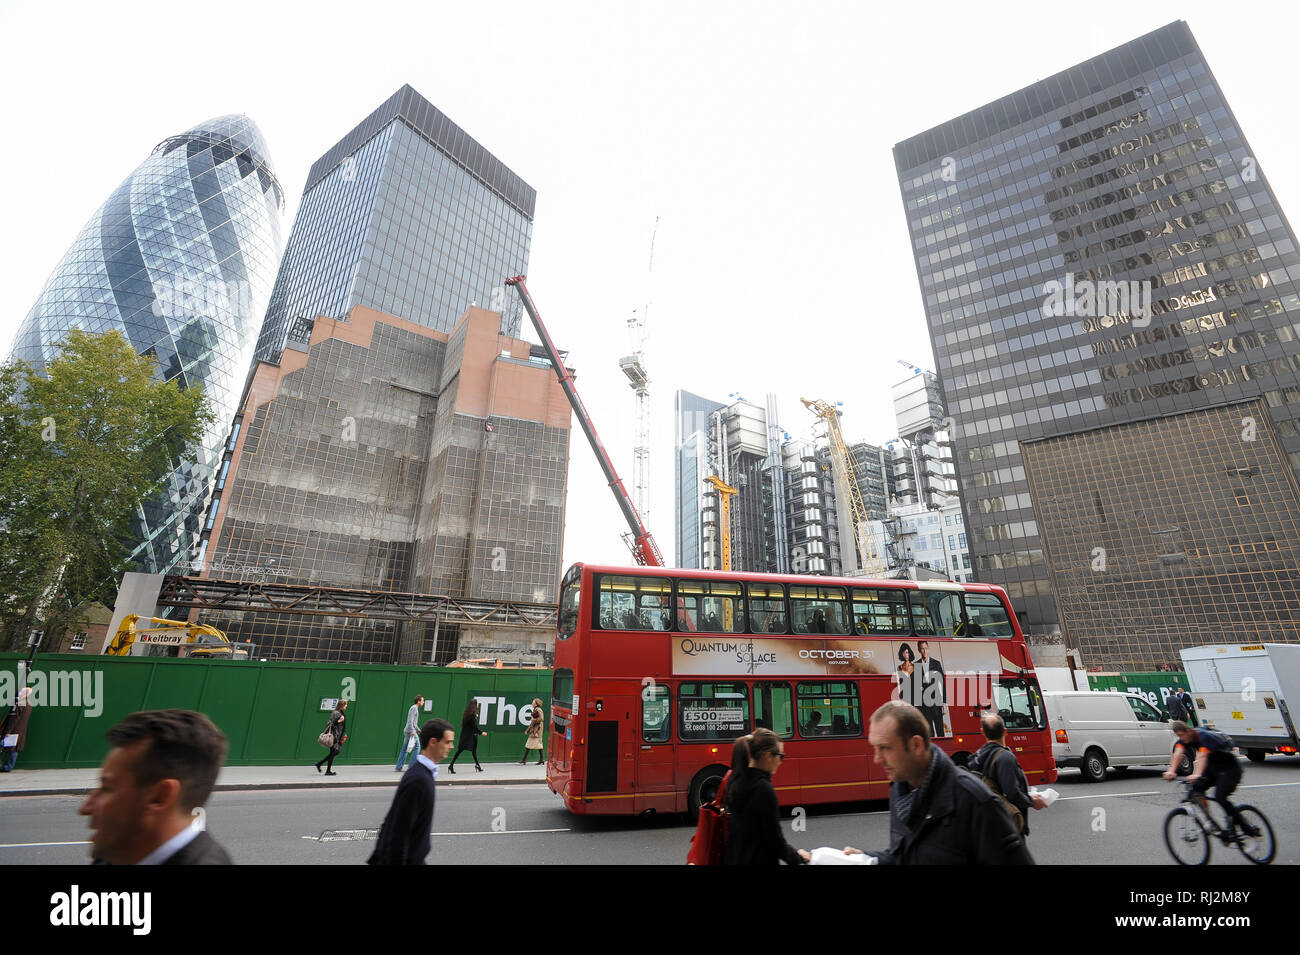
{"x": 929, "y": 675}
{"x": 404, "y": 836}
{"x": 148, "y": 809}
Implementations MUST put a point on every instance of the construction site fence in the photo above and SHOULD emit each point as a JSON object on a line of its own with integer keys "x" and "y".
{"x": 270, "y": 712}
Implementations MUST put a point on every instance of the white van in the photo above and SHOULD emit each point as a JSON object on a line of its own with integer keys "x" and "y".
{"x": 1093, "y": 730}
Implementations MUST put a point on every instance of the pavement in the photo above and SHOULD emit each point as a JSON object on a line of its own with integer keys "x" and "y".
{"x": 58, "y": 782}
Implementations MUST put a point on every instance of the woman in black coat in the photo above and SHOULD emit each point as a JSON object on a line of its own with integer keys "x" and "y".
{"x": 469, "y": 734}
{"x": 754, "y": 836}
{"x": 335, "y": 729}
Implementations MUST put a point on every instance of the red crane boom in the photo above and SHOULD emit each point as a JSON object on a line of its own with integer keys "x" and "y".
{"x": 643, "y": 545}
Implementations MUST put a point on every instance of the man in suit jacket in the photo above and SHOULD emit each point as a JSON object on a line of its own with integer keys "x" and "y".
{"x": 148, "y": 809}
{"x": 929, "y": 675}
{"x": 404, "y": 836}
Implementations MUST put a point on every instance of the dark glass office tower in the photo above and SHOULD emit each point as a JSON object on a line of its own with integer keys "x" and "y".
{"x": 408, "y": 215}
{"x": 1111, "y": 290}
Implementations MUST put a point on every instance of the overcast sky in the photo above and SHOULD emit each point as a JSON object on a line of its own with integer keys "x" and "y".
{"x": 759, "y": 133}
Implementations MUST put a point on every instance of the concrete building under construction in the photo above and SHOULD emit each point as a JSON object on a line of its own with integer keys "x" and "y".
{"x": 383, "y": 455}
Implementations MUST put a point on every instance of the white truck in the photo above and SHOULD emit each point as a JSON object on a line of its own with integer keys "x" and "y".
{"x": 1249, "y": 692}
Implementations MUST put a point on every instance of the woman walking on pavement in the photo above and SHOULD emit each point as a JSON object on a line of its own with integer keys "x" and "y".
{"x": 533, "y": 734}
{"x": 335, "y": 729}
{"x": 755, "y": 834}
{"x": 469, "y": 734}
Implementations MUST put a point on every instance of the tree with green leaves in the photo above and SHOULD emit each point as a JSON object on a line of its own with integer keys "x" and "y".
{"x": 81, "y": 447}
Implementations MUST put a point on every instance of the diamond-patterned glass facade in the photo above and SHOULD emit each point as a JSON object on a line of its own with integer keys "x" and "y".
{"x": 180, "y": 259}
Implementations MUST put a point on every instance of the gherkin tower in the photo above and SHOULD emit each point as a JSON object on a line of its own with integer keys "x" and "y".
{"x": 180, "y": 259}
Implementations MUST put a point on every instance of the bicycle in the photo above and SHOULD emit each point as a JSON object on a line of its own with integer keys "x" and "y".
{"x": 1189, "y": 828}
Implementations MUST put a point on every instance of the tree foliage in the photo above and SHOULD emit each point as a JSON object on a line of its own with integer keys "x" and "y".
{"x": 81, "y": 447}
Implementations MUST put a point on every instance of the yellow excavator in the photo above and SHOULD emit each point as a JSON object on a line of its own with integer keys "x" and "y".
{"x": 159, "y": 631}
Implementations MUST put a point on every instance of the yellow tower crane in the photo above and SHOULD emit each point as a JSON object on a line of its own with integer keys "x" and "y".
{"x": 725, "y": 493}
{"x": 848, "y": 482}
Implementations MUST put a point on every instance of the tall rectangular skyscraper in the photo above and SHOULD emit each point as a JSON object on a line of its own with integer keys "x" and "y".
{"x": 407, "y": 215}
{"x": 691, "y": 467}
{"x": 1111, "y": 292}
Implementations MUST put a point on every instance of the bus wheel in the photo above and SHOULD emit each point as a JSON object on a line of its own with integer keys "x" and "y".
{"x": 704, "y": 788}
{"x": 1256, "y": 755}
{"x": 1094, "y": 766}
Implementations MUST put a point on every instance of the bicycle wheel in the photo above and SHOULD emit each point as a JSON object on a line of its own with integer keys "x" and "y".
{"x": 1258, "y": 848}
{"x": 1188, "y": 843}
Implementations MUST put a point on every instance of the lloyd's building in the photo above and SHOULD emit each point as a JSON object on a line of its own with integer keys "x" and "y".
{"x": 1112, "y": 296}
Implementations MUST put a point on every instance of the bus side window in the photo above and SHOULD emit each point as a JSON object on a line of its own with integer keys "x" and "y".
{"x": 767, "y": 608}
{"x": 880, "y": 612}
{"x": 634, "y": 603}
{"x": 774, "y": 708}
{"x": 921, "y": 618}
{"x": 829, "y": 709}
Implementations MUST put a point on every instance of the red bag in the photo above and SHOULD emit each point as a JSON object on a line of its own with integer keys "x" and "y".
{"x": 710, "y": 837}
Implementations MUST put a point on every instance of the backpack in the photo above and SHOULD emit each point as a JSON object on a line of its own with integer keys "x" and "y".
{"x": 986, "y": 774}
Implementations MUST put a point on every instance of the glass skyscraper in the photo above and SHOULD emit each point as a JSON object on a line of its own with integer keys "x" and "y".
{"x": 407, "y": 215}
{"x": 691, "y": 467}
{"x": 1111, "y": 292}
{"x": 181, "y": 260}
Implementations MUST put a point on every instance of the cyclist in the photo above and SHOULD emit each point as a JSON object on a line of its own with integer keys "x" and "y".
{"x": 1216, "y": 765}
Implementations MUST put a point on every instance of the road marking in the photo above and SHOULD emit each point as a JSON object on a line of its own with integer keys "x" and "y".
{"x": 362, "y": 835}
{"x": 1153, "y": 792}
{"x": 1161, "y": 792}
{"x": 504, "y": 832}
{"x": 36, "y": 845}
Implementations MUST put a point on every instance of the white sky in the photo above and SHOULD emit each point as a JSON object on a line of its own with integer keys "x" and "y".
{"x": 760, "y": 134}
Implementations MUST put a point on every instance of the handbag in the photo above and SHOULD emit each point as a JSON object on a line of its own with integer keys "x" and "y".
{"x": 710, "y": 839}
{"x": 410, "y": 743}
{"x": 326, "y": 738}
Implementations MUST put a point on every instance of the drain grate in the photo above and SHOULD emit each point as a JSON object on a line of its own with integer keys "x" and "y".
{"x": 348, "y": 835}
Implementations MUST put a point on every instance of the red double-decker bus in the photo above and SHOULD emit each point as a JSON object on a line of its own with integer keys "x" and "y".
{"x": 658, "y": 670}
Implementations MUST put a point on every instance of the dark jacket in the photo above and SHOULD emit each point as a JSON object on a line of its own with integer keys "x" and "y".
{"x": 754, "y": 836}
{"x": 16, "y": 722}
{"x": 469, "y": 733}
{"x": 202, "y": 850}
{"x": 404, "y": 836}
{"x": 1177, "y": 708}
{"x": 1007, "y": 773}
{"x": 953, "y": 819}
{"x": 335, "y": 727}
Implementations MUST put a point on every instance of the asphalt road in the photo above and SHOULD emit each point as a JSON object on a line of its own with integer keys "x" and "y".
{"x": 1117, "y": 822}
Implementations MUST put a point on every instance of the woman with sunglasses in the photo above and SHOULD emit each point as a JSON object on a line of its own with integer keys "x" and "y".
{"x": 754, "y": 836}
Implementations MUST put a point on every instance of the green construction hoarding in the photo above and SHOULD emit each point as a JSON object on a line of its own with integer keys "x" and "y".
{"x": 1155, "y": 686}
{"x": 270, "y": 712}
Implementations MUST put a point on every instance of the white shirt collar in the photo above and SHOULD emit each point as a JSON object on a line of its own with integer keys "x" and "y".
{"x": 433, "y": 767}
{"x": 172, "y": 846}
